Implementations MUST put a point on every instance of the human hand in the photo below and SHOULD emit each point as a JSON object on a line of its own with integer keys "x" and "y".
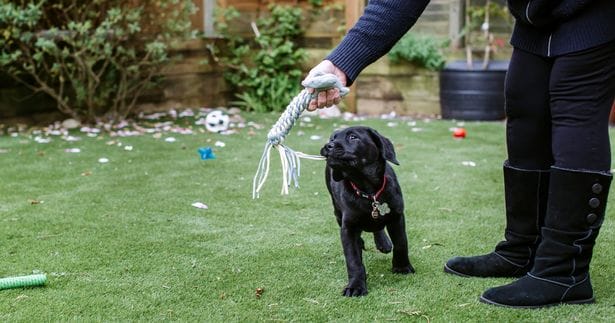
{"x": 328, "y": 97}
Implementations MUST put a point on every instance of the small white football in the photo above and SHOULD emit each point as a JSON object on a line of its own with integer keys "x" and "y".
{"x": 217, "y": 121}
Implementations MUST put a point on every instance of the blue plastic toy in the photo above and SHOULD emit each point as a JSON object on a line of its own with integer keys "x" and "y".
{"x": 206, "y": 153}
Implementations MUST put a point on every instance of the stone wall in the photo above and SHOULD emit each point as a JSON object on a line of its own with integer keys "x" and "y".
{"x": 193, "y": 81}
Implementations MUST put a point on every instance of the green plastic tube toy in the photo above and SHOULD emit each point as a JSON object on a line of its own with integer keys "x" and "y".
{"x": 23, "y": 281}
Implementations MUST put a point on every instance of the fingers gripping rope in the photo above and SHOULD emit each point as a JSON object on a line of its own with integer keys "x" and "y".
{"x": 290, "y": 159}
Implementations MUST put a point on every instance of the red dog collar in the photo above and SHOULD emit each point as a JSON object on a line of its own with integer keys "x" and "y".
{"x": 374, "y": 197}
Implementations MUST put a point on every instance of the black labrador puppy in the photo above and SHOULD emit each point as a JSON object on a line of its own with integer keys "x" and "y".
{"x": 366, "y": 197}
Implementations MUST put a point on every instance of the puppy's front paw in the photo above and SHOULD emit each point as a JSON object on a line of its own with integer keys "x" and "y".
{"x": 404, "y": 270}
{"x": 354, "y": 291}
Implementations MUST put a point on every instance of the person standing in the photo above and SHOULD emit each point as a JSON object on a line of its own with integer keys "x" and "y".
{"x": 559, "y": 89}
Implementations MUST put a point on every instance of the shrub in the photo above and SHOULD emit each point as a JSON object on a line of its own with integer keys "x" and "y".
{"x": 264, "y": 70}
{"x": 94, "y": 58}
{"x": 422, "y": 50}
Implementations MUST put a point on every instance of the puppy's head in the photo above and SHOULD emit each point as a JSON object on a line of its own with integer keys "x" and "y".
{"x": 354, "y": 148}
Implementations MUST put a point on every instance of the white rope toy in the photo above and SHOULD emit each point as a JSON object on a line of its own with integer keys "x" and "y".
{"x": 290, "y": 159}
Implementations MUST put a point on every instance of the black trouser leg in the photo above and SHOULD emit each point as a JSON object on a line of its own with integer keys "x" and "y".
{"x": 528, "y": 123}
{"x": 558, "y": 109}
{"x": 582, "y": 89}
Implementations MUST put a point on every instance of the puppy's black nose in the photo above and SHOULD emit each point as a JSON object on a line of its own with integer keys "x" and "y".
{"x": 326, "y": 149}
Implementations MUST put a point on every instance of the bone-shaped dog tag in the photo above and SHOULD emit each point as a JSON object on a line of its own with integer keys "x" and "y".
{"x": 379, "y": 209}
{"x": 383, "y": 209}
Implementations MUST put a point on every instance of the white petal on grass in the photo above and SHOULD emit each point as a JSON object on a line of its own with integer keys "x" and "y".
{"x": 71, "y": 138}
{"x": 200, "y": 205}
{"x": 391, "y": 124}
{"x": 42, "y": 140}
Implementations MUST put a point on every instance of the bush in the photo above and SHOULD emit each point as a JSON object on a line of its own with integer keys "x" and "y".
{"x": 94, "y": 58}
{"x": 422, "y": 50}
{"x": 265, "y": 70}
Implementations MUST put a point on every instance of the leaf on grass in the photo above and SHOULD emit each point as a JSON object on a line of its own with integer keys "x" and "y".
{"x": 313, "y": 301}
{"x": 35, "y": 202}
{"x": 431, "y": 245}
{"x": 415, "y": 313}
{"x": 259, "y": 292}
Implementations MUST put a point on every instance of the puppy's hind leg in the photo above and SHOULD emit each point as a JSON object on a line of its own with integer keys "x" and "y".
{"x": 382, "y": 241}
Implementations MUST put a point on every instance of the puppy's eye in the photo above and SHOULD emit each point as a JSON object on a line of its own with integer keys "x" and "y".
{"x": 352, "y": 137}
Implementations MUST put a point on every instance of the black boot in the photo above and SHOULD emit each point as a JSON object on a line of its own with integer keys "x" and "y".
{"x": 526, "y": 196}
{"x": 576, "y": 207}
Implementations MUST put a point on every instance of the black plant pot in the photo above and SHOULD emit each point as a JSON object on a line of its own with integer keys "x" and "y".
{"x": 473, "y": 93}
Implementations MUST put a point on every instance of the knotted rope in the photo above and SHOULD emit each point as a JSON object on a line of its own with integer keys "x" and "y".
{"x": 290, "y": 159}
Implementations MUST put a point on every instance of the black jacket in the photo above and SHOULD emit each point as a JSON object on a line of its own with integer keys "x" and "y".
{"x": 556, "y": 27}
{"x": 543, "y": 27}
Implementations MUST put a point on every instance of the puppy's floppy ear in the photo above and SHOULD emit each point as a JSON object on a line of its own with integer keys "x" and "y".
{"x": 384, "y": 144}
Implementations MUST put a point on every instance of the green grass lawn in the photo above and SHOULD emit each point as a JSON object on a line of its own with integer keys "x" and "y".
{"x": 120, "y": 241}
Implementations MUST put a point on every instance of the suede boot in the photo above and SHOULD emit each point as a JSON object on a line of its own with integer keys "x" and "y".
{"x": 575, "y": 212}
{"x": 526, "y": 200}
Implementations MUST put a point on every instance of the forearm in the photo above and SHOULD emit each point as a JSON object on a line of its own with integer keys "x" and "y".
{"x": 382, "y": 24}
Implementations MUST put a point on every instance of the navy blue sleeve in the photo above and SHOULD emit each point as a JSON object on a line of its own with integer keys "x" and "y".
{"x": 382, "y": 24}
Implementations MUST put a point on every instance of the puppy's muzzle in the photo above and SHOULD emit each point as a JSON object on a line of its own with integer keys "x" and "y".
{"x": 327, "y": 149}
{"x": 334, "y": 151}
